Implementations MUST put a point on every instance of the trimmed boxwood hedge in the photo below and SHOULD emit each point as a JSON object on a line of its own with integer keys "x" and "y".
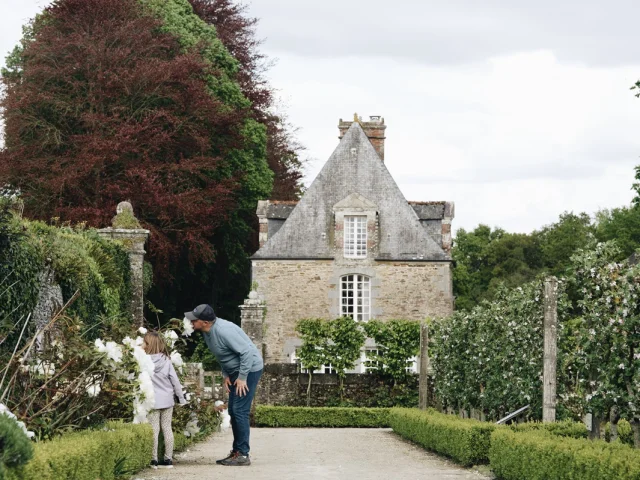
{"x": 540, "y": 455}
{"x": 332, "y": 417}
{"x": 106, "y": 454}
{"x": 465, "y": 441}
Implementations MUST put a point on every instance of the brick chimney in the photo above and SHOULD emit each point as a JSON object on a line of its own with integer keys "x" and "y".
{"x": 374, "y": 129}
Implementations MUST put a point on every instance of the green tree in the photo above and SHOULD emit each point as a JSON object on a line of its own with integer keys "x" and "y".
{"x": 560, "y": 240}
{"x": 313, "y": 353}
{"x": 622, "y": 225}
{"x": 397, "y": 342}
{"x": 346, "y": 340}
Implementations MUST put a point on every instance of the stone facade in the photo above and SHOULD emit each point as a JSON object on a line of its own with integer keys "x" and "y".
{"x": 295, "y": 289}
{"x": 307, "y": 265}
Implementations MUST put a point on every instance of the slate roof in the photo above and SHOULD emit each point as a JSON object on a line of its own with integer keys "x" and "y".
{"x": 354, "y": 167}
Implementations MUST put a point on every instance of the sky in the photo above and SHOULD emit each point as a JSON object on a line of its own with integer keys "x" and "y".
{"x": 516, "y": 111}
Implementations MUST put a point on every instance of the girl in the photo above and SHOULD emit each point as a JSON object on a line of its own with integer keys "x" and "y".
{"x": 165, "y": 386}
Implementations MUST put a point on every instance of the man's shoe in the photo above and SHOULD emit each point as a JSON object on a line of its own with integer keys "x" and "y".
{"x": 238, "y": 461}
{"x": 228, "y": 457}
{"x": 166, "y": 464}
{"x": 154, "y": 464}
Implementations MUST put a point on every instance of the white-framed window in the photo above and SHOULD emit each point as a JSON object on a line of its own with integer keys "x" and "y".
{"x": 322, "y": 369}
{"x": 355, "y": 297}
{"x": 355, "y": 236}
{"x": 368, "y": 363}
{"x": 413, "y": 365}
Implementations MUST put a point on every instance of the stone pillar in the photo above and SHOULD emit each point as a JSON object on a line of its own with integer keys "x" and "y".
{"x": 550, "y": 349}
{"x": 126, "y": 229}
{"x": 261, "y": 212}
{"x": 449, "y": 213}
{"x": 252, "y": 319}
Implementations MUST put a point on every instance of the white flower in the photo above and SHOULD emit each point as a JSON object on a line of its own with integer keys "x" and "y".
{"x": 144, "y": 361}
{"x": 191, "y": 428}
{"x": 142, "y": 330}
{"x": 102, "y": 348}
{"x": 114, "y": 351}
{"x": 44, "y": 368}
{"x": 187, "y": 327}
{"x": 129, "y": 342}
{"x": 621, "y": 366}
{"x": 93, "y": 390}
{"x": 170, "y": 338}
{"x": 177, "y": 361}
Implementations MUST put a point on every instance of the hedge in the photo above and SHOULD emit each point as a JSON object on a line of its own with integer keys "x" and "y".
{"x": 540, "y": 455}
{"x": 464, "y": 440}
{"x": 106, "y": 454}
{"x": 332, "y": 417}
{"x": 15, "y": 447}
{"x": 559, "y": 429}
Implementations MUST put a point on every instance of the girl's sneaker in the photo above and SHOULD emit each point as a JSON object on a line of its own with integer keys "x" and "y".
{"x": 154, "y": 464}
{"x": 167, "y": 463}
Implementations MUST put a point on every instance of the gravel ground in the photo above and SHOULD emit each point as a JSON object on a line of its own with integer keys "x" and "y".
{"x": 294, "y": 453}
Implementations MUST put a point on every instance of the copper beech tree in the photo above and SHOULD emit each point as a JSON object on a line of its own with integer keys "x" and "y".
{"x": 103, "y": 107}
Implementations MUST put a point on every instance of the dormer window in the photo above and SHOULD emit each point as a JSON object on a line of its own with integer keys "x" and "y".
{"x": 355, "y": 236}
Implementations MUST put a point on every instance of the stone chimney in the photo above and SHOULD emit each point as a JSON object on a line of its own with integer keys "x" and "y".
{"x": 374, "y": 129}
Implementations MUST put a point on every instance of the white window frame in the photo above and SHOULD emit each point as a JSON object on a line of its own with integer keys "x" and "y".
{"x": 366, "y": 351}
{"x": 355, "y": 236}
{"x": 355, "y": 297}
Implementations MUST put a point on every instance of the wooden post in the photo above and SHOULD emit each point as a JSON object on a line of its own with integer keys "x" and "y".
{"x": 550, "y": 349}
{"x": 423, "y": 387}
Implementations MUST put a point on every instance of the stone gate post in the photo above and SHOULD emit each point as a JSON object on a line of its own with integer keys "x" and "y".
{"x": 252, "y": 318}
{"x": 126, "y": 229}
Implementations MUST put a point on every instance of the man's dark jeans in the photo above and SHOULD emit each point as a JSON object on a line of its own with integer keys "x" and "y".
{"x": 239, "y": 409}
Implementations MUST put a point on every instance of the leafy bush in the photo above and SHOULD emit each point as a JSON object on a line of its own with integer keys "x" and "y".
{"x": 15, "y": 448}
{"x": 559, "y": 429}
{"x": 117, "y": 450}
{"x": 465, "y": 441}
{"x": 540, "y": 455}
{"x": 625, "y": 434}
{"x": 397, "y": 342}
{"x": 267, "y": 416}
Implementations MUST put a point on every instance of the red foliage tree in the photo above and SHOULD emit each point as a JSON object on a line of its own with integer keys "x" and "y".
{"x": 237, "y": 31}
{"x": 106, "y": 108}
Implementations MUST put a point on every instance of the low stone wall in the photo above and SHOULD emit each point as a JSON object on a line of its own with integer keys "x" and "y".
{"x": 282, "y": 385}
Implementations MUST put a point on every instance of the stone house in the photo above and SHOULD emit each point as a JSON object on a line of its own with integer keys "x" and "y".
{"x": 351, "y": 246}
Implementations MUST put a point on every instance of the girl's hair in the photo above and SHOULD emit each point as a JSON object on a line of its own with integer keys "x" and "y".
{"x": 154, "y": 343}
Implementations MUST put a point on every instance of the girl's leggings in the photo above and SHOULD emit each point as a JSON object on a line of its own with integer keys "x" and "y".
{"x": 161, "y": 419}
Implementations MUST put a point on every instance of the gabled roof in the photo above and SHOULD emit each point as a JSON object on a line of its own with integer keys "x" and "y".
{"x": 354, "y": 167}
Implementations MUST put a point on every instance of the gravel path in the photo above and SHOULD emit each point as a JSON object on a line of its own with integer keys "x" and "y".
{"x": 305, "y": 454}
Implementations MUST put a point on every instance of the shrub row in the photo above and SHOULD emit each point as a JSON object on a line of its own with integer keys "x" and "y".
{"x": 559, "y": 429}
{"x": 465, "y": 441}
{"x": 540, "y": 455}
{"x": 333, "y": 417}
{"x": 119, "y": 449}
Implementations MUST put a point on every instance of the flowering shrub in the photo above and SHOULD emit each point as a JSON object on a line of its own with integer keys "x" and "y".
{"x": 490, "y": 359}
{"x": 608, "y": 338}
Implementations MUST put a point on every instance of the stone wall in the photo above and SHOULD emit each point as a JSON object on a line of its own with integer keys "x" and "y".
{"x": 281, "y": 385}
{"x": 296, "y": 289}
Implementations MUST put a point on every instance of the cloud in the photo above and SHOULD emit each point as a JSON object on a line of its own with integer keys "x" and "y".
{"x": 498, "y": 137}
{"x": 453, "y": 31}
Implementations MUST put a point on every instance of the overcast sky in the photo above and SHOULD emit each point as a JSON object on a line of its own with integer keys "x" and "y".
{"x": 516, "y": 111}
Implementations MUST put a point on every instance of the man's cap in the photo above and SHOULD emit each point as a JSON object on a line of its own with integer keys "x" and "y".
{"x": 201, "y": 312}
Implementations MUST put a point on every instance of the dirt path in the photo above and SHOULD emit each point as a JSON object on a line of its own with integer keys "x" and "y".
{"x": 305, "y": 454}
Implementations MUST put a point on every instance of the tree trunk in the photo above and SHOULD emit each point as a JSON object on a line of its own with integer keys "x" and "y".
{"x": 309, "y": 389}
{"x": 635, "y": 426}
{"x": 595, "y": 427}
{"x": 614, "y": 417}
{"x": 341, "y": 388}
